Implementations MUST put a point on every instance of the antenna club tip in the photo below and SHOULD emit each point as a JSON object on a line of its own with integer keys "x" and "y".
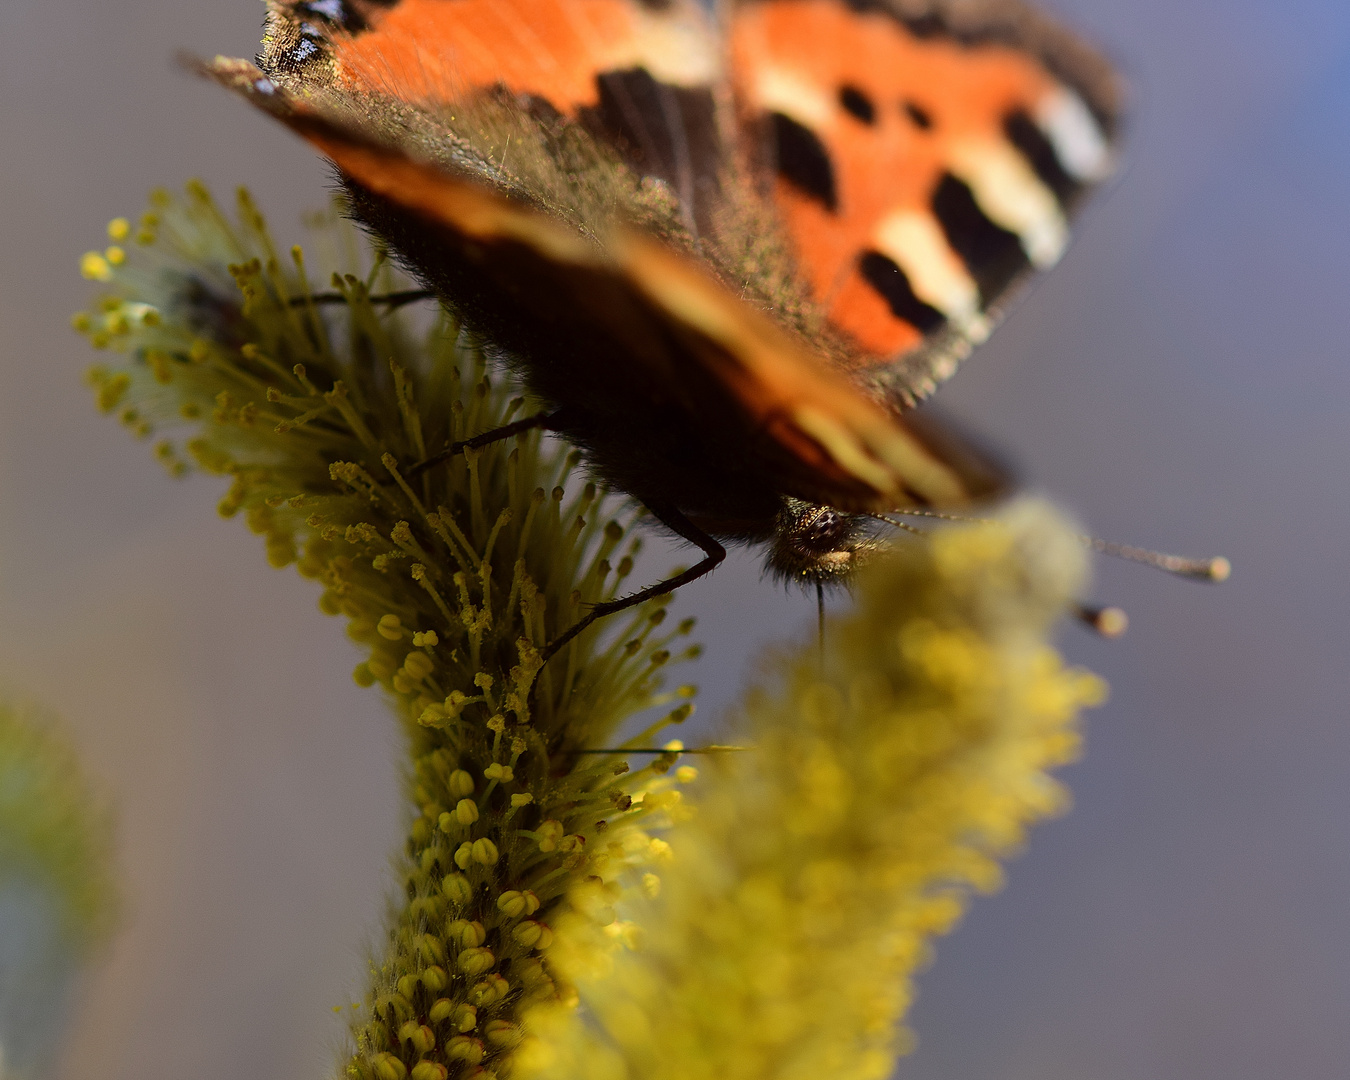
{"x": 1111, "y": 622}
{"x": 1220, "y": 569}
{"x": 1108, "y": 622}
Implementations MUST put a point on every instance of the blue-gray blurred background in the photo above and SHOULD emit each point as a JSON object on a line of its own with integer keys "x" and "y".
{"x": 1183, "y": 380}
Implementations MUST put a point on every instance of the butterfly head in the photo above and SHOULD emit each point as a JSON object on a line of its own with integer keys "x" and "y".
{"x": 817, "y": 544}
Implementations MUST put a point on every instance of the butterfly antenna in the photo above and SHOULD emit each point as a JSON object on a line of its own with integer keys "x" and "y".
{"x": 1107, "y": 621}
{"x": 904, "y": 525}
{"x": 1215, "y": 568}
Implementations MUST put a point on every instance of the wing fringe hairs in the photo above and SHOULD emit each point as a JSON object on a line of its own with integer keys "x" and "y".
{"x": 882, "y": 787}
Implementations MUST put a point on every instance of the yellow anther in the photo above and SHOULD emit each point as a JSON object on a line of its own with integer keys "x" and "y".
{"x": 511, "y": 904}
{"x": 363, "y": 676}
{"x": 469, "y": 934}
{"x": 465, "y": 1018}
{"x": 531, "y": 972}
{"x": 660, "y": 851}
{"x": 435, "y": 979}
{"x": 686, "y": 774}
{"x": 533, "y": 935}
{"x": 440, "y": 1010}
{"x": 550, "y": 834}
{"x": 94, "y": 266}
{"x": 113, "y": 389}
{"x": 432, "y": 716}
{"x": 460, "y": 783}
{"x": 484, "y": 852}
{"x": 388, "y": 1067}
{"x": 380, "y": 666}
{"x": 490, "y": 990}
{"x": 522, "y": 800}
{"x": 418, "y": 665}
{"x": 476, "y": 961}
{"x": 420, "y": 1036}
{"x": 464, "y": 1048}
{"x": 115, "y": 255}
{"x": 426, "y": 639}
{"x": 466, "y": 811}
{"x": 499, "y": 772}
{"x": 457, "y": 889}
{"x": 390, "y": 627}
{"x": 119, "y": 228}
{"x": 502, "y": 1033}
{"x": 429, "y": 1070}
{"x": 464, "y": 855}
{"x": 673, "y": 747}
{"x": 651, "y": 885}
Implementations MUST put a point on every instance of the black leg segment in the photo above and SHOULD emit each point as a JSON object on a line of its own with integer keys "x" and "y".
{"x": 516, "y": 427}
{"x": 676, "y": 522}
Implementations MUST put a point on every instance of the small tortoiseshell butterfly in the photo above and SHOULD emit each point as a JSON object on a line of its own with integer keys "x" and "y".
{"x": 729, "y": 250}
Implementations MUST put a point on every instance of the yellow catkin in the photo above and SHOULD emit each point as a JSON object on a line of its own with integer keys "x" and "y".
{"x": 884, "y": 783}
{"x": 451, "y": 590}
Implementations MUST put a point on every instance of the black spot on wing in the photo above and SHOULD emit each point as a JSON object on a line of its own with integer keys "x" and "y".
{"x": 893, "y": 286}
{"x": 802, "y": 160}
{"x": 918, "y": 115}
{"x": 857, "y": 103}
{"x": 669, "y": 132}
{"x": 992, "y": 254}
{"x": 1023, "y": 133}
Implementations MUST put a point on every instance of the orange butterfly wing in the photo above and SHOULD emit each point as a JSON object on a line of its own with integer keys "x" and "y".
{"x": 927, "y": 156}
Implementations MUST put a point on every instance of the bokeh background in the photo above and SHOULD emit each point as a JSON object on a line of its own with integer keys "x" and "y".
{"x": 1181, "y": 381}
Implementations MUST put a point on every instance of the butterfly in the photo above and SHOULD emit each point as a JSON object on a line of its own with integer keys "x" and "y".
{"x": 730, "y": 249}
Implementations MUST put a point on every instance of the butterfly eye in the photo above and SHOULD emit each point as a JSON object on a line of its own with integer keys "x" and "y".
{"x": 858, "y": 104}
{"x": 827, "y": 532}
{"x": 921, "y": 117}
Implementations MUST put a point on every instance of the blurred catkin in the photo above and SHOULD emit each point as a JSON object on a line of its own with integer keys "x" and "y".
{"x": 58, "y": 901}
{"x": 55, "y": 831}
{"x": 886, "y": 778}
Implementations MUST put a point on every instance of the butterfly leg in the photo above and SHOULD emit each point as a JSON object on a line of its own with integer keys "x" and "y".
{"x": 393, "y": 299}
{"x": 676, "y": 522}
{"x": 495, "y": 435}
